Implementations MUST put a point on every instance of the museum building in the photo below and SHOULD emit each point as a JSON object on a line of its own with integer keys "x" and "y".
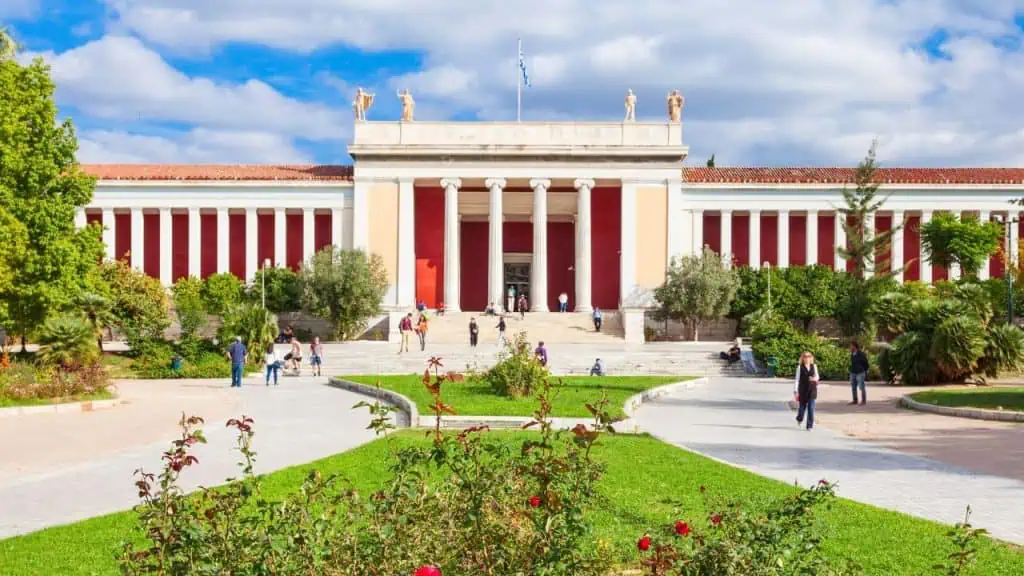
{"x": 462, "y": 212}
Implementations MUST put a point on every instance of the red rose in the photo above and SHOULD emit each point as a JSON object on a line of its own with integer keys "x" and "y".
{"x": 716, "y": 519}
{"x": 427, "y": 571}
{"x": 682, "y": 528}
{"x": 534, "y": 501}
{"x": 644, "y": 544}
{"x": 823, "y": 482}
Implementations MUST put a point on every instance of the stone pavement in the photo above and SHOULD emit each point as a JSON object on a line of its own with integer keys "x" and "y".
{"x": 300, "y": 421}
{"x": 745, "y": 422}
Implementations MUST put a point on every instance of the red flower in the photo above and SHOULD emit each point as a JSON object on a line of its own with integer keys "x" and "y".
{"x": 427, "y": 571}
{"x": 822, "y": 482}
{"x": 716, "y": 519}
{"x": 534, "y": 501}
{"x": 682, "y": 528}
{"x": 644, "y": 544}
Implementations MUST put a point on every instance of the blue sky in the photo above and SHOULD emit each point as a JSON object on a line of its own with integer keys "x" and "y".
{"x": 810, "y": 82}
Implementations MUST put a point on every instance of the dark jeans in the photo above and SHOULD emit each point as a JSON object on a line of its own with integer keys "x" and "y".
{"x": 423, "y": 340}
{"x": 597, "y": 324}
{"x": 473, "y": 339}
{"x": 236, "y": 375}
{"x": 272, "y": 369}
{"x": 563, "y": 306}
{"x": 857, "y": 381}
{"x": 809, "y": 408}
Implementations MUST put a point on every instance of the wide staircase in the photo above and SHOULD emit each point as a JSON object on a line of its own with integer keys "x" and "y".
{"x": 551, "y": 327}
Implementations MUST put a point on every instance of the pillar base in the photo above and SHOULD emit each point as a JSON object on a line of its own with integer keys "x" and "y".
{"x": 542, "y": 308}
{"x": 633, "y": 324}
{"x": 584, "y": 308}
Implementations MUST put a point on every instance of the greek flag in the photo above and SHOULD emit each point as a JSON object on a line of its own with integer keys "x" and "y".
{"x": 522, "y": 66}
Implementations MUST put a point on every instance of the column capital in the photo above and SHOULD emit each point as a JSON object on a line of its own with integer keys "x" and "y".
{"x": 725, "y": 211}
{"x": 754, "y": 212}
{"x": 492, "y": 183}
{"x": 587, "y": 183}
{"x": 448, "y": 183}
{"x": 544, "y": 183}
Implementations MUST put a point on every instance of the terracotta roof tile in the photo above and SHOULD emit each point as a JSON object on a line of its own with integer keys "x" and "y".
{"x": 211, "y": 172}
{"x": 846, "y": 175}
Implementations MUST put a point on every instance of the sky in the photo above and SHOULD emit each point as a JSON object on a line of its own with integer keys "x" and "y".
{"x": 794, "y": 83}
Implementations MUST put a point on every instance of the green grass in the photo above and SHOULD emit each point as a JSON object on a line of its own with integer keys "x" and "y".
{"x": 477, "y": 398}
{"x": 642, "y": 472}
{"x": 989, "y": 398}
{"x": 10, "y": 402}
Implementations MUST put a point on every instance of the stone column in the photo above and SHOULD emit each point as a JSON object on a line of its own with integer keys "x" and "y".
{"x": 1013, "y": 248}
{"x": 783, "y": 244}
{"x": 583, "y": 235}
{"x": 627, "y": 242}
{"x": 280, "y": 237}
{"x": 812, "y": 237}
{"x": 308, "y": 233}
{"x": 252, "y": 251}
{"x": 338, "y": 227}
{"x": 223, "y": 242}
{"x": 138, "y": 241}
{"x": 698, "y": 232}
{"x": 896, "y": 260}
{"x": 452, "y": 245}
{"x": 361, "y": 214}
{"x": 406, "y": 277}
{"x": 840, "y": 241}
{"x": 754, "y": 240}
{"x": 80, "y": 220}
{"x": 166, "y": 247}
{"x": 539, "y": 268}
{"x": 926, "y": 266}
{"x": 195, "y": 243}
{"x": 496, "y": 256}
{"x": 869, "y": 232}
{"x": 109, "y": 233}
{"x": 725, "y": 238}
{"x": 984, "y": 272}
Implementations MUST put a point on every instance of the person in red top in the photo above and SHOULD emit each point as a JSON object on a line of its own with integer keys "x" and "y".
{"x": 405, "y": 328}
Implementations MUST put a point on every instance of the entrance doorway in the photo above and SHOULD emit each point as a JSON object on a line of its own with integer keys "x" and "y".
{"x": 517, "y": 281}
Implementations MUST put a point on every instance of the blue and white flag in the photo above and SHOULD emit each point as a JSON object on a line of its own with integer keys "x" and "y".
{"x": 522, "y": 66}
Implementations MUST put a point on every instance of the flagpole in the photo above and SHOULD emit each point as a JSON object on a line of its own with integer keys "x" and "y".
{"x": 519, "y": 82}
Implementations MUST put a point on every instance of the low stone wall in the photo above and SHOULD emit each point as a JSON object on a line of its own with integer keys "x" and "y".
{"x": 65, "y": 408}
{"x": 723, "y": 329}
{"x": 963, "y": 411}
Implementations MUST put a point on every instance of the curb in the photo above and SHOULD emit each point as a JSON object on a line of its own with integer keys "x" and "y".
{"x": 962, "y": 411}
{"x": 65, "y": 408}
{"x": 408, "y": 415}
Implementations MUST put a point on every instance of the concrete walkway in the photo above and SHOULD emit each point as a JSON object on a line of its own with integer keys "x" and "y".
{"x": 300, "y": 421}
{"x": 746, "y": 423}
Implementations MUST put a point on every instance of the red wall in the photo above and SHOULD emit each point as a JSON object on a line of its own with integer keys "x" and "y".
{"x": 883, "y": 258}
{"x": 741, "y": 239}
{"x": 474, "y": 239}
{"x": 827, "y": 240}
{"x": 561, "y": 257}
{"x": 322, "y": 231}
{"x": 517, "y": 237}
{"x": 179, "y": 246}
{"x": 797, "y": 239}
{"x": 429, "y": 246}
{"x": 94, "y": 217}
{"x": 769, "y": 239}
{"x": 123, "y": 236}
{"x": 151, "y": 247}
{"x": 605, "y": 238}
{"x": 912, "y": 249}
{"x": 712, "y": 235}
{"x": 264, "y": 240}
{"x": 208, "y": 244}
{"x": 236, "y": 243}
{"x": 295, "y": 230}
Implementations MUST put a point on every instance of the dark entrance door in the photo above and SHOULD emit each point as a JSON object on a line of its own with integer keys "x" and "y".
{"x": 517, "y": 281}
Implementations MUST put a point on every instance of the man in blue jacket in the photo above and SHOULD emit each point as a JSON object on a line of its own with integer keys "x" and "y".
{"x": 858, "y": 373}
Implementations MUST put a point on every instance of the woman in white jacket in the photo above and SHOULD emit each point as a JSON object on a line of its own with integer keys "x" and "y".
{"x": 272, "y": 362}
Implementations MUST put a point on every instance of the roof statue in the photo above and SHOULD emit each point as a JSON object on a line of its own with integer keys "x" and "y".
{"x": 408, "y": 105}
{"x": 362, "y": 103}
{"x": 630, "y": 106}
{"x": 675, "y": 106}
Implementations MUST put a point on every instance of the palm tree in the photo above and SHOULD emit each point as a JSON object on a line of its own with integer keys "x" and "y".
{"x": 97, "y": 313}
{"x": 65, "y": 341}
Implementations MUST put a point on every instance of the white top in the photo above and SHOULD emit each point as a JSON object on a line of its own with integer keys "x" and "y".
{"x": 563, "y": 297}
{"x": 796, "y": 380}
{"x": 270, "y": 358}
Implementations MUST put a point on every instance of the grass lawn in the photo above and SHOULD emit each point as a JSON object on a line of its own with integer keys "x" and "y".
{"x": 477, "y": 399}
{"x": 9, "y": 402}
{"x": 642, "y": 472}
{"x": 989, "y": 398}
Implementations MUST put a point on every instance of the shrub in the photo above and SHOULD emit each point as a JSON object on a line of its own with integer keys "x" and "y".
{"x": 188, "y": 306}
{"x": 22, "y": 381}
{"x": 256, "y": 326}
{"x": 775, "y": 336}
{"x": 221, "y": 292}
{"x": 517, "y": 373}
{"x": 66, "y": 341}
{"x": 284, "y": 289}
{"x": 697, "y": 289}
{"x": 138, "y": 301}
{"x": 1004, "y": 350}
{"x": 97, "y": 312}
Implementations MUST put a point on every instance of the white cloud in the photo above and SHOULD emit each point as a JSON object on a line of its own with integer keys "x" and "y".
{"x": 199, "y": 146}
{"x": 16, "y": 9}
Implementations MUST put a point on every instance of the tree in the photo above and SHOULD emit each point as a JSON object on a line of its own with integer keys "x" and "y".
{"x": 862, "y": 202}
{"x": 948, "y": 239}
{"x": 255, "y": 325}
{"x": 41, "y": 187}
{"x": 66, "y": 341}
{"x": 697, "y": 289}
{"x": 98, "y": 314}
{"x": 139, "y": 303}
{"x": 344, "y": 287}
{"x": 13, "y": 243}
{"x": 711, "y": 161}
{"x": 188, "y": 305}
{"x": 284, "y": 290}
{"x": 222, "y": 292}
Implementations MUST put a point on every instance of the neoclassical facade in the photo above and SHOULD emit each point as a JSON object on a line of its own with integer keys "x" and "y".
{"x": 465, "y": 212}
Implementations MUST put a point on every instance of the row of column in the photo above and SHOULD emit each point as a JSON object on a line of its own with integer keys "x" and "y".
{"x": 811, "y": 238}
{"x": 223, "y": 244}
{"x": 495, "y": 258}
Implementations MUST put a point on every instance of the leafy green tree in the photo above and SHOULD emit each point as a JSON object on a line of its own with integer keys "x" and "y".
{"x": 13, "y": 244}
{"x": 222, "y": 292}
{"x": 66, "y": 341}
{"x": 948, "y": 239}
{"x": 256, "y": 327}
{"x": 697, "y": 289}
{"x": 41, "y": 187}
{"x": 188, "y": 305}
{"x": 97, "y": 312}
{"x": 284, "y": 289}
{"x": 139, "y": 303}
{"x": 344, "y": 287}
{"x": 810, "y": 292}
{"x": 861, "y": 204}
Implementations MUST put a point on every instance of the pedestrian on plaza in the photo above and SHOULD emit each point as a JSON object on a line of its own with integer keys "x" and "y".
{"x": 474, "y": 332}
{"x": 316, "y": 355}
{"x": 598, "y": 368}
{"x": 293, "y": 359}
{"x": 805, "y": 389}
{"x": 501, "y": 330}
{"x": 271, "y": 361}
{"x": 597, "y": 319}
{"x": 541, "y": 353}
{"x": 858, "y": 373}
{"x": 522, "y": 305}
{"x": 238, "y": 355}
{"x": 563, "y": 302}
{"x": 510, "y": 302}
{"x": 421, "y": 331}
{"x": 405, "y": 329}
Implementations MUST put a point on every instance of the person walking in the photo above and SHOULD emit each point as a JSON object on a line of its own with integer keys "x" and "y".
{"x": 270, "y": 361}
{"x": 405, "y": 329}
{"x": 541, "y": 353}
{"x": 597, "y": 319}
{"x": 563, "y": 302}
{"x": 238, "y": 354}
{"x": 858, "y": 373}
{"x": 474, "y": 332}
{"x": 421, "y": 331}
{"x": 316, "y": 356}
{"x": 805, "y": 389}
{"x": 501, "y": 330}
{"x": 522, "y": 306}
